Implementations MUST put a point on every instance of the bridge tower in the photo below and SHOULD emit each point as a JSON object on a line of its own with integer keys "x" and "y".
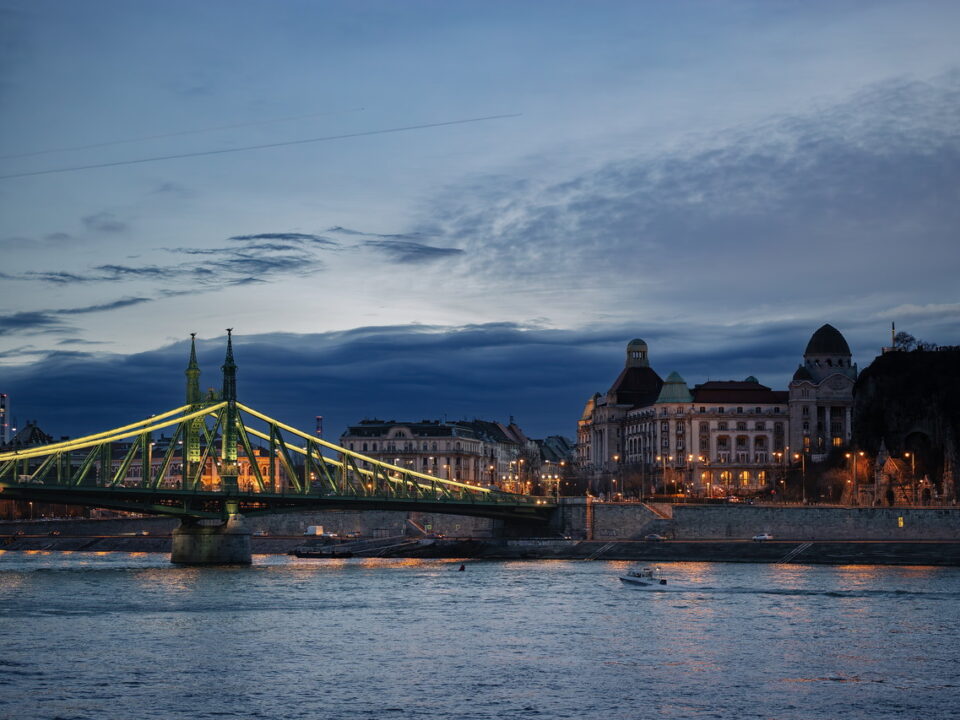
{"x": 228, "y": 454}
{"x": 194, "y": 400}
{"x": 228, "y": 542}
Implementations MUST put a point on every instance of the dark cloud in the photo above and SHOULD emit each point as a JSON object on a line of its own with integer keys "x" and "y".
{"x": 415, "y": 236}
{"x": 50, "y": 321}
{"x": 58, "y": 237}
{"x": 29, "y": 323}
{"x": 540, "y": 376}
{"x": 287, "y": 237}
{"x": 124, "y": 272}
{"x": 221, "y": 267}
{"x": 405, "y": 251}
{"x": 79, "y": 341}
{"x": 60, "y": 278}
{"x": 103, "y": 307}
{"x": 104, "y": 222}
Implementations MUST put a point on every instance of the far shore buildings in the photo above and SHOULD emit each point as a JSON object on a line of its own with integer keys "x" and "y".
{"x": 476, "y": 452}
{"x": 717, "y": 438}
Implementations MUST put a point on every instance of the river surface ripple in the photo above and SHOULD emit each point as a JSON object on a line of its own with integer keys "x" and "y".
{"x": 115, "y": 635}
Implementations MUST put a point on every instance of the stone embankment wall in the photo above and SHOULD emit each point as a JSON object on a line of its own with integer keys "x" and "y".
{"x": 730, "y": 522}
{"x": 584, "y": 519}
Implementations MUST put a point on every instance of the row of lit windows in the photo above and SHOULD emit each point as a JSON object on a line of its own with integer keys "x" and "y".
{"x": 412, "y": 447}
{"x": 647, "y": 428}
{"x": 722, "y": 410}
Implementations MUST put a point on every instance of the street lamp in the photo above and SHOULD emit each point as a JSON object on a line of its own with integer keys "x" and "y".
{"x": 913, "y": 475}
{"x": 853, "y": 458}
{"x": 803, "y": 474}
{"x": 616, "y": 476}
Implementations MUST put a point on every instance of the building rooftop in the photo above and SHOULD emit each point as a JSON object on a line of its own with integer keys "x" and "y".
{"x": 827, "y": 340}
{"x": 674, "y": 390}
{"x": 636, "y": 386}
{"x": 737, "y": 391}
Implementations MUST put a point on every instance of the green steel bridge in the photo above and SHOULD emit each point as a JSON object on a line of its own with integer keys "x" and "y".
{"x": 223, "y": 459}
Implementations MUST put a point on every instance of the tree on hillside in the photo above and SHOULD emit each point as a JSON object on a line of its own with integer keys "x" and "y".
{"x": 907, "y": 342}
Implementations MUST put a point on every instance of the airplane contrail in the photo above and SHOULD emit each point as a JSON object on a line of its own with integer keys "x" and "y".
{"x": 177, "y": 133}
{"x": 325, "y": 138}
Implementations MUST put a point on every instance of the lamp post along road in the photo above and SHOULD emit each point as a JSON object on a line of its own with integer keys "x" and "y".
{"x": 913, "y": 476}
{"x": 803, "y": 475}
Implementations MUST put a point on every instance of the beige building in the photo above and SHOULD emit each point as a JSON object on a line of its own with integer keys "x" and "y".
{"x": 821, "y": 395}
{"x": 476, "y": 452}
{"x": 722, "y": 438}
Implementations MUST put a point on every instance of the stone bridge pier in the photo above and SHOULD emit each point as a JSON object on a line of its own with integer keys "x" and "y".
{"x": 221, "y": 543}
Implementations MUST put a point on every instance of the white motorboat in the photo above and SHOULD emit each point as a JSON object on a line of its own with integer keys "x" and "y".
{"x": 650, "y": 578}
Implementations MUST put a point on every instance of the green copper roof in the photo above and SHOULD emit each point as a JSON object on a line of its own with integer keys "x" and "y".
{"x": 675, "y": 390}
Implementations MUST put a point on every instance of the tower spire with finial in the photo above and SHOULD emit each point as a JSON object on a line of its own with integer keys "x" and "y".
{"x": 229, "y": 369}
{"x": 194, "y": 400}
{"x": 193, "y": 373}
{"x": 228, "y": 453}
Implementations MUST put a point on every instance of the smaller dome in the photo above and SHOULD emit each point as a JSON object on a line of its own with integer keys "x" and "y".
{"x": 752, "y": 379}
{"x": 827, "y": 341}
{"x": 636, "y": 342}
{"x": 674, "y": 390}
{"x": 802, "y": 374}
{"x": 590, "y": 407}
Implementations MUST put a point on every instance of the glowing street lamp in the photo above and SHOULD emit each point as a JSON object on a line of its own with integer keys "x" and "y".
{"x": 853, "y": 458}
{"x": 913, "y": 475}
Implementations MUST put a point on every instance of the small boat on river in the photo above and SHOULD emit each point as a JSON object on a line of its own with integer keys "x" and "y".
{"x": 649, "y": 578}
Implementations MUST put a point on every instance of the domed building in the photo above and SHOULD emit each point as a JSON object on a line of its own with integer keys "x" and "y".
{"x": 821, "y": 395}
{"x": 600, "y": 428}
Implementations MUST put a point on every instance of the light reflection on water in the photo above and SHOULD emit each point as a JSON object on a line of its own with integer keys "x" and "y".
{"x": 129, "y": 635}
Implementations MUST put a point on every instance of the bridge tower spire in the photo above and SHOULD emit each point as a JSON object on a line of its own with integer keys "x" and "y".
{"x": 228, "y": 456}
{"x": 193, "y": 373}
{"x": 194, "y": 400}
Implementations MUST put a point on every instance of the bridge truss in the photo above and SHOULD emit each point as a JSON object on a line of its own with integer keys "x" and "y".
{"x": 219, "y": 457}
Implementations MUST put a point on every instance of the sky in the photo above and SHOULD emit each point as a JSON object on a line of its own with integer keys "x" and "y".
{"x": 463, "y": 209}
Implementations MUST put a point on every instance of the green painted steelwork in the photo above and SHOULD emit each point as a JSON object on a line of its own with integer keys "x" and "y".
{"x": 224, "y": 457}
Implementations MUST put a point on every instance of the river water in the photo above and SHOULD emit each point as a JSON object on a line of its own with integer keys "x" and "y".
{"x": 114, "y": 635}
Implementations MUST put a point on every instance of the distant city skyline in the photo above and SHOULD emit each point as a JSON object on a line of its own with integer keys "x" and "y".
{"x": 719, "y": 179}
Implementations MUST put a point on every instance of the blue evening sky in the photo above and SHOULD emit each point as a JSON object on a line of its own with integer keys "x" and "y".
{"x": 719, "y": 178}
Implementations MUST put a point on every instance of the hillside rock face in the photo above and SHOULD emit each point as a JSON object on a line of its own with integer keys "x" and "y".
{"x": 911, "y": 402}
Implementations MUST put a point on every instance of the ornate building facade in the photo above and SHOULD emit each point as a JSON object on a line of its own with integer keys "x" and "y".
{"x": 600, "y": 440}
{"x": 821, "y": 395}
{"x": 476, "y": 452}
{"x": 719, "y": 438}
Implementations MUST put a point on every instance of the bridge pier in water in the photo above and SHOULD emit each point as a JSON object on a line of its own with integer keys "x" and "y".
{"x": 227, "y": 543}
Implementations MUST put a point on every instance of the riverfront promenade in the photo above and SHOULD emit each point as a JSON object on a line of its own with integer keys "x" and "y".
{"x": 582, "y": 530}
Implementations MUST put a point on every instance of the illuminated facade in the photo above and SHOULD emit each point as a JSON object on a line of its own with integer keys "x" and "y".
{"x": 821, "y": 395}
{"x": 600, "y": 440}
{"x": 722, "y": 438}
{"x": 477, "y": 452}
